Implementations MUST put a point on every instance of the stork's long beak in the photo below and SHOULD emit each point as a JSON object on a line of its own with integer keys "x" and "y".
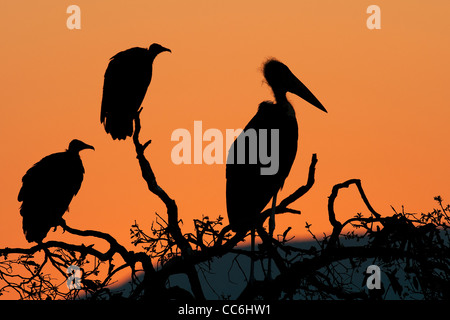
{"x": 298, "y": 88}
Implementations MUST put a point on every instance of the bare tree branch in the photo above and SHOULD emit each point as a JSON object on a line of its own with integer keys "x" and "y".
{"x": 172, "y": 209}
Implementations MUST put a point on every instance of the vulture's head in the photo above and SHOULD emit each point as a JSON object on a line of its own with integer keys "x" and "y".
{"x": 77, "y": 145}
{"x": 156, "y": 49}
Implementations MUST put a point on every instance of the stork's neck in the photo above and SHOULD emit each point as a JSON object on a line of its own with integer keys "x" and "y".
{"x": 280, "y": 97}
{"x": 283, "y": 103}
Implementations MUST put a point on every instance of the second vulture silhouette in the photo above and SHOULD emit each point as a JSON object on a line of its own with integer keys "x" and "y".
{"x": 126, "y": 81}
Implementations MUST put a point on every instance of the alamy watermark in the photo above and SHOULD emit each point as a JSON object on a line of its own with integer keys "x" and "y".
{"x": 252, "y": 146}
{"x": 374, "y": 280}
{"x": 74, "y": 279}
{"x": 74, "y": 20}
{"x": 374, "y": 20}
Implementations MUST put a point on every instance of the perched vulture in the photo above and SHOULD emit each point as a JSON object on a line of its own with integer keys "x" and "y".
{"x": 48, "y": 188}
{"x": 126, "y": 81}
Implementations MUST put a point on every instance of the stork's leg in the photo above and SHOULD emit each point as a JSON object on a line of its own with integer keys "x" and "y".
{"x": 252, "y": 255}
{"x": 271, "y": 229}
{"x": 272, "y": 216}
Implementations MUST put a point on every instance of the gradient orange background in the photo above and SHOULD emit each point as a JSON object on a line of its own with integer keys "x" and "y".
{"x": 386, "y": 92}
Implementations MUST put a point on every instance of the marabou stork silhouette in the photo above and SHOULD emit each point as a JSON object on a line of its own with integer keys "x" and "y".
{"x": 48, "y": 188}
{"x": 126, "y": 81}
{"x": 247, "y": 190}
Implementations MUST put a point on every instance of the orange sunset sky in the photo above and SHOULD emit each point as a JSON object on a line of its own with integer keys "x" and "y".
{"x": 386, "y": 92}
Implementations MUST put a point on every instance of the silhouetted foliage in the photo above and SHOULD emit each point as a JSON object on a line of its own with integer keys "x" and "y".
{"x": 411, "y": 249}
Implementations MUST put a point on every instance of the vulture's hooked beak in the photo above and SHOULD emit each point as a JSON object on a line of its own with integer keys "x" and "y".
{"x": 89, "y": 147}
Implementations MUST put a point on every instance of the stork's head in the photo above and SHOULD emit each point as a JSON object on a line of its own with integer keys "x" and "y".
{"x": 156, "y": 49}
{"x": 282, "y": 80}
{"x": 77, "y": 145}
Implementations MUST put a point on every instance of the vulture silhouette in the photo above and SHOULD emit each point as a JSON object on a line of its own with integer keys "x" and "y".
{"x": 127, "y": 78}
{"x": 48, "y": 188}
